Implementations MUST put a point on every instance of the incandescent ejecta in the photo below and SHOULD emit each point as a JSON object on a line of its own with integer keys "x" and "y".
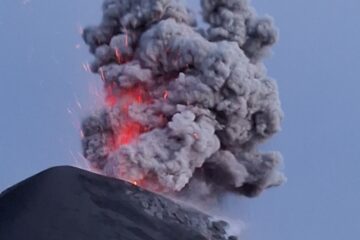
{"x": 186, "y": 106}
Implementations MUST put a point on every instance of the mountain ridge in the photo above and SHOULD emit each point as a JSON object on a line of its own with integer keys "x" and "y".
{"x": 69, "y": 203}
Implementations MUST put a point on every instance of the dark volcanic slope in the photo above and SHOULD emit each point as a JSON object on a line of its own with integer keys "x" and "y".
{"x": 72, "y": 204}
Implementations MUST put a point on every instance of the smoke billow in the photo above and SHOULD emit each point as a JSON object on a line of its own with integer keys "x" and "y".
{"x": 185, "y": 106}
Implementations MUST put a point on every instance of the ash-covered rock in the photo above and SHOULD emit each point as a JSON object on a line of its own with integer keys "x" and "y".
{"x": 165, "y": 209}
{"x": 69, "y": 203}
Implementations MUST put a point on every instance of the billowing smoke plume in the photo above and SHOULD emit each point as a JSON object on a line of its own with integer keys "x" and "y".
{"x": 185, "y": 106}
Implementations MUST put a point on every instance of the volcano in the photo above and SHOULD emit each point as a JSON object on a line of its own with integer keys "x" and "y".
{"x": 70, "y": 203}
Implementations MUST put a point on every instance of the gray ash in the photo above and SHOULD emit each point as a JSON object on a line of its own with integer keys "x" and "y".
{"x": 186, "y": 108}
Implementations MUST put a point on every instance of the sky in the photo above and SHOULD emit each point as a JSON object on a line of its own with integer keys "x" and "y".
{"x": 44, "y": 92}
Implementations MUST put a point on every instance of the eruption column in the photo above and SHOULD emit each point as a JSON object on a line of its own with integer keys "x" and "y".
{"x": 186, "y": 107}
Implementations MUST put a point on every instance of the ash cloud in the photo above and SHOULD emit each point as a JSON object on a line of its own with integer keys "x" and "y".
{"x": 189, "y": 105}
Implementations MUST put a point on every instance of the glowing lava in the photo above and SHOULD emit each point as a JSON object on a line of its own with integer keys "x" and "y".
{"x": 127, "y": 133}
{"x": 129, "y": 129}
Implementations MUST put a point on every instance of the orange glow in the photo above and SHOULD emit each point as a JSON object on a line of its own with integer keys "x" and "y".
{"x": 125, "y": 97}
{"x": 110, "y": 101}
{"x": 127, "y": 133}
{"x": 129, "y": 129}
{"x": 110, "y": 97}
{"x": 139, "y": 182}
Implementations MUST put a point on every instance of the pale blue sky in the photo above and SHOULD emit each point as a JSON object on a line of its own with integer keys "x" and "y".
{"x": 316, "y": 63}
